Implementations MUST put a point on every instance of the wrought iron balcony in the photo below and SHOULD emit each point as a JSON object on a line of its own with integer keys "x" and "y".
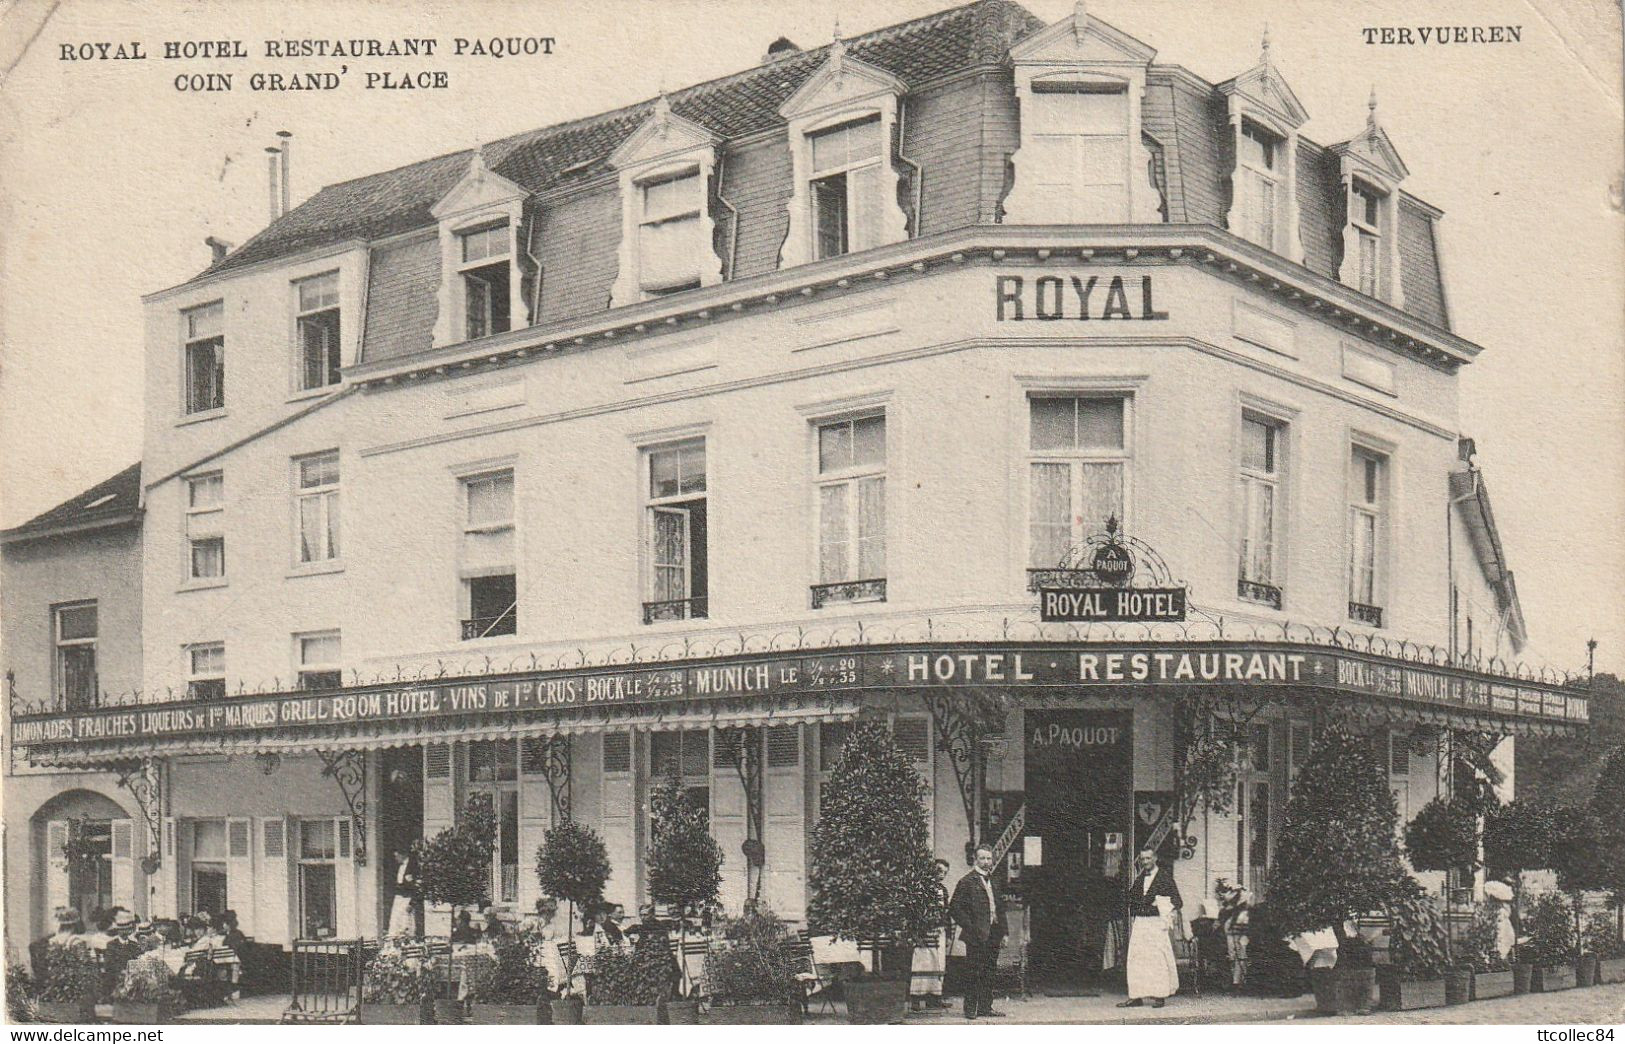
{"x": 1366, "y": 614}
{"x": 675, "y": 609}
{"x": 1057, "y": 578}
{"x": 848, "y": 591}
{"x": 490, "y": 626}
{"x": 207, "y": 689}
{"x": 1263, "y": 594}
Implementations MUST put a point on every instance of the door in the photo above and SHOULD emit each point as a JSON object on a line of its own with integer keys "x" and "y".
{"x": 1078, "y": 782}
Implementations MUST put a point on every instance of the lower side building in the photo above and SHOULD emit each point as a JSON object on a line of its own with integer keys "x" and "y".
{"x": 1061, "y": 748}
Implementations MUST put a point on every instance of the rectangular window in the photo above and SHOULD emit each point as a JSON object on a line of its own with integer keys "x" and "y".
{"x": 688, "y": 754}
{"x": 490, "y": 587}
{"x": 316, "y": 505}
{"x": 669, "y": 246}
{"x": 205, "y": 361}
{"x": 851, "y": 489}
{"x": 320, "y": 661}
{"x": 206, "y": 671}
{"x": 1079, "y": 454}
{"x": 486, "y": 272}
{"x": 1258, "y": 577}
{"x": 1253, "y": 800}
{"x": 205, "y": 517}
{"x": 317, "y": 323}
{"x": 1257, "y": 183}
{"x": 847, "y": 187}
{"x": 1367, "y": 496}
{"x": 675, "y": 533}
{"x": 76, "y": 631}
{"x": 318, "y": 878}
{"x": 1077, "y": 134}
{"x": 1365, "y": 213}
{"x": 209, "y": 866}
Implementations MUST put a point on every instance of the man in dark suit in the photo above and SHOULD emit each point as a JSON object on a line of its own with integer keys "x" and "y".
{"x": 977, "y": 907}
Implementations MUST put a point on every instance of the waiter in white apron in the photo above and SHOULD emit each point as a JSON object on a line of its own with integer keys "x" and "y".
{"x": 1153, "y": 902}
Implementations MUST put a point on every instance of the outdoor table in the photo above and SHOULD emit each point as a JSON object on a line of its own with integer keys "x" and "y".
{"x": 829, "y": 950}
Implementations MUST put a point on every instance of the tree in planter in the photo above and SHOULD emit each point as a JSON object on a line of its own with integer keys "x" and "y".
{"x": 1551, "y": 931}
{"x": 1518, "y": 836}
{"x": 873, "y": 875}
{"x": 573, "y": 866}
{"x": 1608, "y": 811}
{"x": 685, "y": 861}
{"x": 1577, "y": 858}
{"x": 454, "y": 866}
{"x": 1337, "y": 856}
{"x": 1443, "y": 836}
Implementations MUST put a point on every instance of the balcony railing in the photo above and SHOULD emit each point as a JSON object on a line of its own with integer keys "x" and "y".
{"x": 490, "y": 626}
{"x": 848, "y": 591}
{"x": 1263, "y": 594}
{"x": 1359, "y": 612}
{"x": 1056, "y": 578}
{"x": 206, "y": 689}
{"x": 675, "y": 609}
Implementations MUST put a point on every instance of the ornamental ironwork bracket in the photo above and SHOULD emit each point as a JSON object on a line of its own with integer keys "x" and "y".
{"x": 143, "y": 778}
{"x": 747, "y": 761}
{"x": 959, "y": 737}
{"x": 349, "y": 770}
{"x": 556, "y": 761}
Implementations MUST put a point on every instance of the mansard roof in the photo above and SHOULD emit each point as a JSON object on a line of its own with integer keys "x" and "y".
{"x": 396, "y": 201}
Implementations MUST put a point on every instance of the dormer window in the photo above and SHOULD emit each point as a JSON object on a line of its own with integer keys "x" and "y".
{"x": 666, "y": 168}
{"x": 481, "y": 226}
{"x": 1258, "y": 181}
{"x": 1365, "y": 214}
{"x": 486, "y": 268}
{"x": 1372, "y": 171}
{"x": 846, "y": 187}
{"x": 1077, "y": 145}
{"x": 841, "y": 126}
{"x": 669, "y": 244}
{"x": 1082, "y": 159}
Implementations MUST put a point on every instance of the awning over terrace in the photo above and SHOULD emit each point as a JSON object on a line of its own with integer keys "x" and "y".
{"x": 780, "y": 688}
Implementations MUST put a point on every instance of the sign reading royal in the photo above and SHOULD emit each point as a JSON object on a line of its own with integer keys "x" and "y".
{"x": 1112, "y": 605}
{"x": 1052, "y": 298}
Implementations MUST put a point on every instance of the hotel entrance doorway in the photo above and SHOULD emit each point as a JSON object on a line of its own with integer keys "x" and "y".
{"x": 1079, "y": 772}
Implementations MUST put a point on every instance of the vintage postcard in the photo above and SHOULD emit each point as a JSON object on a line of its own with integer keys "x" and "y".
{"x": 894, "y": 512}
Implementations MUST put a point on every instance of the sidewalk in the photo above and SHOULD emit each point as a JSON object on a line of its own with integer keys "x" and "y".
{"x": 1103, "y": 1010}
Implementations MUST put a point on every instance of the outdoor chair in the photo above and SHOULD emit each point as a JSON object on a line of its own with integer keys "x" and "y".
{"x": 814, "y": 982}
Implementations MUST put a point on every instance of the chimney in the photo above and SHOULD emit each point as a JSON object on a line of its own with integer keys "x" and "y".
{"x": 219, "y": 248}
{"x": 285, "y": 135}
{"x": 783, "y": 47}
{"x": 272, "y": 160}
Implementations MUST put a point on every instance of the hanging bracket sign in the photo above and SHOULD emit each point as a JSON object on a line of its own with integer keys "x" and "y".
{"x": 1109, "y": 579}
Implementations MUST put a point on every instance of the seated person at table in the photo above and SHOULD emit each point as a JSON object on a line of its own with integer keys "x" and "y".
{"x": 493, "y": 923}
{"x": 605, "y": 930}
{"x": 462, "y": 928}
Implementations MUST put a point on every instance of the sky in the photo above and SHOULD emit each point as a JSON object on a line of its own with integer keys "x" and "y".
{"x": 110, "y": 180}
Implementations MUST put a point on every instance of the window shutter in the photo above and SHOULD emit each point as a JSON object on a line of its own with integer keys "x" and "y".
{"x": 240, "y": 891}
{"x": 783, "y": 746}
{"x": 437, "y": 761}
{"x": 273, "y": 900}
{"x": 913, "y": 737}
{"x": 347, "y": 924}
{"x": 784, "y": 802}
{"x": 617, "y": 752}
{"x": 123, "y": 864}
{"x": 533, "y": 756}
{"x": 344, "y": 838}
{"x": 56, "y": 864}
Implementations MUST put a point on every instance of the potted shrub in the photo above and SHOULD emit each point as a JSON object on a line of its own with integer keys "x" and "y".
{"x": 396, "y": 990}
{"x": 1418, "y": 954}
{"x": 454, "y": 866}
{"x": 1518, "y": 836}
{"x": 1603, "y": 941}
{"x": 685, "y": 868}
{"x": 511, "y": 988}
{"x": 629, "y": 986}
{"x": 1341, "y": 814}
{"x": 1551, "y": 946}
{"x": 873, "y": 875}
{"x": 70, "y": 982}
{"x": 146, "y": 994}
{"x": 1491, "y": 973}
{"x": 572, "y": 866}
{"x": 750, "y": 973}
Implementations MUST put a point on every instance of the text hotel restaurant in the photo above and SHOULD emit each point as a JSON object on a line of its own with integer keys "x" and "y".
{"x": 685, "y": 434}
